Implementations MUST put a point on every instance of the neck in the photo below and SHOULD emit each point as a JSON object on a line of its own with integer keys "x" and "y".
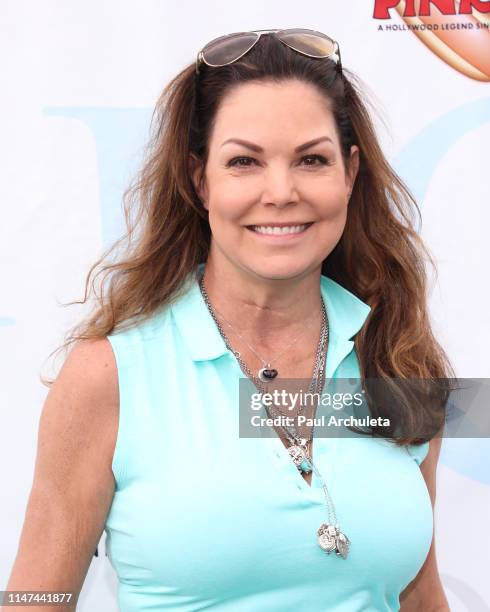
{"x": 264, "y": 310}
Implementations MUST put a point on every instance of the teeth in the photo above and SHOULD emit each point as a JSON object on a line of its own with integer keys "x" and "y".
{"x": 274, "y": 230}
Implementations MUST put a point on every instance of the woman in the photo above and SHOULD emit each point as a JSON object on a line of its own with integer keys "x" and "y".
{"x": 273, "y": 241}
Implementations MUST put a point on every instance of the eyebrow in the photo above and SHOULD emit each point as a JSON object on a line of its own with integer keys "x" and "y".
{"x": 257, "y": 149}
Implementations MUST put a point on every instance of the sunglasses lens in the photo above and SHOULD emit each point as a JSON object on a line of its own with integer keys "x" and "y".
{"x": 226, "y": 49}
{"x": 312, "y": 43}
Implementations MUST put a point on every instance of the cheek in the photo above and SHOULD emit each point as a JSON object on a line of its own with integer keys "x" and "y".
{"x": 227, "y": 203}
{"x": 226, "y": 221}
{"x": 334, "y": 208}
{"x": 227, "y": 213}
{"x": 336, "y": 220}
{"x": 327, "y": 193}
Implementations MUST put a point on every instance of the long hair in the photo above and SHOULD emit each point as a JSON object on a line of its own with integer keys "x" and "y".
{"x": 380, "y": 256}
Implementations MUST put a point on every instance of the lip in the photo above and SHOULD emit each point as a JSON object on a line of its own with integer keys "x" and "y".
{"x": 288, "y": 224}
{"x": 279, "y": 237}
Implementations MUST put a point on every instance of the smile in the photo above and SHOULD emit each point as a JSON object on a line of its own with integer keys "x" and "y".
{"x": 279, "y": 230}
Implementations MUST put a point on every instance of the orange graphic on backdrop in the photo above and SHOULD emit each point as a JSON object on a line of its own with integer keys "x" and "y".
{"x": 467, "y": 51}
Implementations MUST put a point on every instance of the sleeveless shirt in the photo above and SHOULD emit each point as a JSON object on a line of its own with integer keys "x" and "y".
{"x": 204, "y": 519}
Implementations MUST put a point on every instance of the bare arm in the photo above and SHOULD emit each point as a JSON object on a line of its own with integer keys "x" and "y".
{"x": 425, "y": 592}
{"x": 73, "y": 483}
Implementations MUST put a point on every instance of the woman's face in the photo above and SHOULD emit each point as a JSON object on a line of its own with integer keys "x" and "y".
{"x": 270, "y": 180}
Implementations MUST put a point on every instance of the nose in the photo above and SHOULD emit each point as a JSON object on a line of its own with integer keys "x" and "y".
{"x": 279, "y": 188}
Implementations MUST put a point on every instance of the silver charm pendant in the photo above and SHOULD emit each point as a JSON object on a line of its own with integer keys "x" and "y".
{"x": 267, "y": 373}
{"x": 326, "y": 537}
{"x": 343, "y": 544}
{"x": 331, "y": 538}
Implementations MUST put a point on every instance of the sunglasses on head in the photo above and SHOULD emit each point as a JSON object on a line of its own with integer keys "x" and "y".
{"x": 230, "y": 48}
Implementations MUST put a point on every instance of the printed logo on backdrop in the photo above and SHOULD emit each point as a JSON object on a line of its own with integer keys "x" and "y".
{"x": 456, "y": 31}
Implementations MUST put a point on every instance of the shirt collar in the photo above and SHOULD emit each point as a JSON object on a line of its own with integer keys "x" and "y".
{"x": 346, "y": 316}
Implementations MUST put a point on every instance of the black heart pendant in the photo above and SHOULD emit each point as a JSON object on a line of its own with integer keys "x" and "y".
{"x": 266, "y": 374}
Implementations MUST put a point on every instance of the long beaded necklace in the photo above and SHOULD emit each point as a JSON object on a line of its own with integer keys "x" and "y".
{"x": 329, "y": 536}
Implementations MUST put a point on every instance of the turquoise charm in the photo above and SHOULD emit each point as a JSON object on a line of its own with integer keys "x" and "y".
{"x": 305, "y": 466}
{"x": 300, "y": 458}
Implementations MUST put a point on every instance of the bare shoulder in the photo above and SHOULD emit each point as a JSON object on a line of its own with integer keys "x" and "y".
{"x": 82, "y": 406}
{"x": 91, "y": 365}
{"x": 91, "y": 368}
{"x": 73, "y": 484}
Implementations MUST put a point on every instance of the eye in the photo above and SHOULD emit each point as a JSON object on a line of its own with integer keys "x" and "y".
{"x": 323, "y": 161}
{"x": 234, "y": 162}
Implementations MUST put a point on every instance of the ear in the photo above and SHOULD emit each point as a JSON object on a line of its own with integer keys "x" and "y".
{"x": 196, "y": 173}
{"x": 353, "y": 168}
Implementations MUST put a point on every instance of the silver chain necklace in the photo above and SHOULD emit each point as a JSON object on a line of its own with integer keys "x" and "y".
{"x": 267, "y": 372}
{"x": 329, "y": 536}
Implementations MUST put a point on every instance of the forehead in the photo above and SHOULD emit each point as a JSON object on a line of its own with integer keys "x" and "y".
{"x": 263, "y": 110}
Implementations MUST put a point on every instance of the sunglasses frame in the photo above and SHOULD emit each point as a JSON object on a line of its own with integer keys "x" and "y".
{"x": 200, "y": 56}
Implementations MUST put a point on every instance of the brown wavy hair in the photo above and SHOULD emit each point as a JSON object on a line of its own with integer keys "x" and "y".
{"x": 380, "y": 257}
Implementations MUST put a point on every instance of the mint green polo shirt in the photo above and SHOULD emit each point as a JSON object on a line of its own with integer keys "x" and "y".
{"x": 204, "y": 519}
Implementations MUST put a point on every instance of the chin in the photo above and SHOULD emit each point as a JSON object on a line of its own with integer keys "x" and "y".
{"x": 272, "y": 270}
